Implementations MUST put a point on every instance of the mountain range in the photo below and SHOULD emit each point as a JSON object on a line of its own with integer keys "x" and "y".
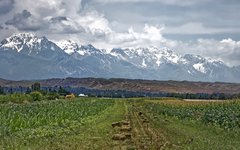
{"x": 26, "y": 56}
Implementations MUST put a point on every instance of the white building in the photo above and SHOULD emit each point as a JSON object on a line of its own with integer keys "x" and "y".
{"x": 82, "y": 95}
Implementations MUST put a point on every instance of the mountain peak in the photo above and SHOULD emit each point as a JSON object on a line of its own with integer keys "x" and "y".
{"x": 117, "y": 50}
{"x": 31, "y": 45}
{"x": 20, "y": 41}
{"x": 89, "y": 46}
{"x": 68, "y": 46}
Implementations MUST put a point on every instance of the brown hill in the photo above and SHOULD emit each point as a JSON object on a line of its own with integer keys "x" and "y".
{"x": 134, "y": 85}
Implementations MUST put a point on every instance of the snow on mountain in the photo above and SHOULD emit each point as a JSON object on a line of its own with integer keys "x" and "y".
{"x": 18, "y": 41}
{"x": 148, "y": 57}
{"x": 68, "y": 46}
{"x": 31, "y": 45}
{"x": 169, "y": 65}
{"x": 199, "y": 67}
{"x": 36, "y": 57}
{"x": 72, "y": 48}
{"x": 203, "y": 65}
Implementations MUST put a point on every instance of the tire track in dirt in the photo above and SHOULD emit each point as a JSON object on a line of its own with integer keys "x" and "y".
{"x": 137, "y": 131}
{"x": 145, "y": 136}
{"x": 122, "y": 133}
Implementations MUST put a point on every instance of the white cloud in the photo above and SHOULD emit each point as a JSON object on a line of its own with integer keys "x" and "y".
{"x": 168, "y": 2}
{"x": 40, "y": 8}
{"x": 94, "y": 23}
{"x": 198, "y": 28}
{"x": 150, "y": 35}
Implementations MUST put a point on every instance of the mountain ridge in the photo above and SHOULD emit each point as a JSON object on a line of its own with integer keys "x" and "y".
{"x": 135, "y": 85}
{"x": 70, "y": 59}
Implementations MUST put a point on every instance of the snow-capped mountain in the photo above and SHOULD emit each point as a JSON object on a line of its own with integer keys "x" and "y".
{"x": 72, "y": 48}
{"x": 68, "y": 46}
{"x": 170, "y": 66}
{"x": 31, "y": 45}
{"x": 27, "y": 56}
{"x": 150, "y": 58}
{"x": 100, "y": 63}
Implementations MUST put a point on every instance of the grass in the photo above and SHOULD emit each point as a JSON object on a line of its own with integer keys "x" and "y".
{"x": 185, "y": 133}
{"x": 60, "y": 124}
{"x": 224, "y": 114}
{"x": 85, "y": 123}
{"x": 95, "y": 134}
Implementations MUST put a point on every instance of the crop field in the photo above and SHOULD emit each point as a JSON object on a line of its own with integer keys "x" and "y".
{"x": 136, "y": 123}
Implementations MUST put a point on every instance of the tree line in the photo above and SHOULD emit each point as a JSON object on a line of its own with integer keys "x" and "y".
{"x": 57, "y": 91}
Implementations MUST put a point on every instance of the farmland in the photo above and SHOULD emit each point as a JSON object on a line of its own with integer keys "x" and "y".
{"x": 136, "y": 123}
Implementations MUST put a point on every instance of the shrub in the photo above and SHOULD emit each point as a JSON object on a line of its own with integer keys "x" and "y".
{"x": 15, "y": 98}
{"x": 52, "y": 96}
{"x": 36, "y": 96}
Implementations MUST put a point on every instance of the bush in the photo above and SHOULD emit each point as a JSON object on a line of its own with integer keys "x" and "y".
{"x": 19, "y": 98}
{"x": 15, "y": 98}
{"x": 52, "y": 96}
{"x": 36, "y": 96}
{"x": 3, "y": 99}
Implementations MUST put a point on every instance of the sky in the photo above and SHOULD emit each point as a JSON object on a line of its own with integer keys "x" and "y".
{"x": 210, "y": 28}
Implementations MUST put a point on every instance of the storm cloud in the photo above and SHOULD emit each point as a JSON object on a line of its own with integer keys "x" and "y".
{"x": 23, "y": 22}
{"x": 6, "y": 6}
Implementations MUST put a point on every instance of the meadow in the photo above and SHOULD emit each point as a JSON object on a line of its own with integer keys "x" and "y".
{"x": 105, "y": 123}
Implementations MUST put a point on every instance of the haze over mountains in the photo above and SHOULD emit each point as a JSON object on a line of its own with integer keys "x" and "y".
{"x": 25, "y": 56}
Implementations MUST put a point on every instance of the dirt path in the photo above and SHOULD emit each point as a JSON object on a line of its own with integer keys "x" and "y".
{"x": 137, "y": 132}
{"x": 145, "y": 136}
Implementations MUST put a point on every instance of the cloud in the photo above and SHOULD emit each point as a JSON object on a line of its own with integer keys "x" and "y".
{"x": 167, "y": 2}
{"x": 89, "y": 26}
{"x": 62, "y": 25}
{"x": 198, "y": 28}
{"x": 49, "y": 8}
{"x": 24, "y": 22}
{"x": 94, "y": 23}
{"x": 41, "y": 8}
{"x": 6, "y": 6}
{"x": 150, "y": 35}
{"x": 233, "y": 48}
{"x": 59, "y": 19}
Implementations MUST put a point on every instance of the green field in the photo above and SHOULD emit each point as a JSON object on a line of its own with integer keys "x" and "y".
{"x": 102, "y": 123}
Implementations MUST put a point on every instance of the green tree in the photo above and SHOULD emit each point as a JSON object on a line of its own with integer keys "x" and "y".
{"x": 28, "y": 91}
{"x": 62, "y": 91}
{"x": 1, "y": 91}
{"x": 11, "y": 90}
{"x": 36, "y": 87}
